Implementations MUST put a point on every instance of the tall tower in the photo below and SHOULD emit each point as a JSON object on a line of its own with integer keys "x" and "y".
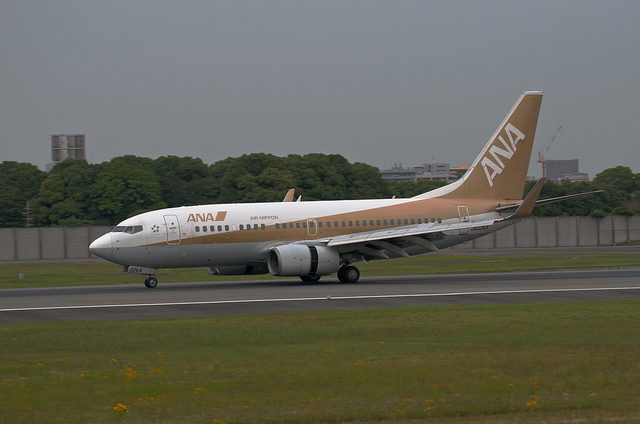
{"x": 65, "y": 146}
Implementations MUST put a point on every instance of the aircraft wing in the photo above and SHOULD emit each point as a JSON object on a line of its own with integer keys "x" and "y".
{"x": 395, "y": 240}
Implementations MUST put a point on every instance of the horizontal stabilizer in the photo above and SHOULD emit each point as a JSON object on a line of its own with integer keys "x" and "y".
{"x": 527, "y": 205}
{"x": 550, "y": 200}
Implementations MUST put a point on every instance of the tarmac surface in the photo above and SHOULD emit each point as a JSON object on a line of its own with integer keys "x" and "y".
{"x": 126, "y": 302}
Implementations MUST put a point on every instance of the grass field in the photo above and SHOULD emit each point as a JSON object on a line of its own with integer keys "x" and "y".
{"x": 573, "y": 363}
{"x": 107, "y": 273}
{"x": 559, "y": 363}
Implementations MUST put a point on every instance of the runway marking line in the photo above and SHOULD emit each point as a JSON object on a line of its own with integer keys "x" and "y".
{"x": 298, "y": 299}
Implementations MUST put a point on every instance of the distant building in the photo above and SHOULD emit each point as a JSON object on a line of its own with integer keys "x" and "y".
{"x": 65, "y": 146}
{"x": 398, "y": 173}
{"x": 564, "y": 170}
{"x": 461, "y": 169}
{"x": 426, "y": 172}
{"x": 580, "y": 176}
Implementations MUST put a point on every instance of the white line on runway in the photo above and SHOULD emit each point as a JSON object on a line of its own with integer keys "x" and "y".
{"x": 298, "y": 299}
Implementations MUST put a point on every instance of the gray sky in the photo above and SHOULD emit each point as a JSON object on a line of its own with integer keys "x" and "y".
{"x": 379, "y": 82}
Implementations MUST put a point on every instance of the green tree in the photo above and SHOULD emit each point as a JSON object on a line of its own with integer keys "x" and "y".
{"x": 184, "y": 181}
{"x": 403, "y": 189}
{"x": 64, "y": 198}
{"x": 621, "y": 178}
{"x": 125, "y": 187}
{"x": 19, "y": 183}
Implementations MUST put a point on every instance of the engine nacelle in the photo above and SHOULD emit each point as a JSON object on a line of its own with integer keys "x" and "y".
{"x": 301, "y": 260}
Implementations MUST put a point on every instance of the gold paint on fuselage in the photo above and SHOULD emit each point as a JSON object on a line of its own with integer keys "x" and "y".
{"x": 403, "y": 214}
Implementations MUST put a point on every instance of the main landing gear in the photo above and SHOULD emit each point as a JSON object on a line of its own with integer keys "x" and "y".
{"x": 151, "y": 282}
{"x": 348, "y": 274}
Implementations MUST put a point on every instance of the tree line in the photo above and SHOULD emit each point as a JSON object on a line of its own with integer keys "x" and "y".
{"x": 77, "y": 193}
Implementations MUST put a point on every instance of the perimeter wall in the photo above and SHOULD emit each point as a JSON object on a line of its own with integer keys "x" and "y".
{"x": 56, "y": 243}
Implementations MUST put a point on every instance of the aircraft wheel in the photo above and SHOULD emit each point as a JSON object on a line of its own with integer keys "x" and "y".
{"x": 310, "y": 278}
{"x": 348, "y": 274}
{"x": 151, "y": 282}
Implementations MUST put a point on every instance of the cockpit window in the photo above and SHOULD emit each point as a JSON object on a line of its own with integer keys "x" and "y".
{"x": 127, "y": 230}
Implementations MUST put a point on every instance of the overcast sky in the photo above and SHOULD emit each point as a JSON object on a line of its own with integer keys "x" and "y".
{"x": 379, "y": 82}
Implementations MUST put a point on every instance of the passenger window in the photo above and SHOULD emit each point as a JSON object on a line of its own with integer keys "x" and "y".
{"x": 343, "y": 224}
{"x": 297, "y": 225}
{"x": 350, "y": 223}
{"x": 212, "y": 228}
{"x": 277, "y": 226}
{"x": 406, "y": 221}
{"x": 255, "y": 226}
{"x": 197, "y": 229}
{"x": 248, "y": 226}
{"x": 377, "y": 222}
{"x": 335, "y": 223}
{"x": 364, "y": 223}
{"x": 371, "y": 222}
{"x": 204, "y": 228}
{"x": 328, "y": 224}
{"x": 439, "y": 220}
{"x": 384, "y": 222}
{"x": 357, "y": 223}
{"x": 263, "y": 226}
{"x": 393, "y": 222}
{"x": 304, "y": 225}
{"x": 413, "y": 221}
{"x": 226, "y": 228}
{"x": 241, "y": 227}
{"x": 219, "y": 227}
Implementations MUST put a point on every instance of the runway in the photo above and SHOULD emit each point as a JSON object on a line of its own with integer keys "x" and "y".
{"x": 216, "y": 298}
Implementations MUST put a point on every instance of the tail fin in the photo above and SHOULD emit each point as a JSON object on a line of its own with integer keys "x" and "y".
{"x": 500, "y": 171}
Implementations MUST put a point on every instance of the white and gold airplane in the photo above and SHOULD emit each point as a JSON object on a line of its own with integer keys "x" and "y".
{"x": 312, "y": 239}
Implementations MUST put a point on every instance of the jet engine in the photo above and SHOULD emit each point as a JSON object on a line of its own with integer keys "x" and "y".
{"x": 302, "y": 260}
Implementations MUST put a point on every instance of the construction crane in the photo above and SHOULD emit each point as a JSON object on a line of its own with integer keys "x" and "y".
{"x": 545, "y": 149}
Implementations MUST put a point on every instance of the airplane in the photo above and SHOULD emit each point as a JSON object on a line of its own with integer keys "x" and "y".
{"x": 319, "y": 238}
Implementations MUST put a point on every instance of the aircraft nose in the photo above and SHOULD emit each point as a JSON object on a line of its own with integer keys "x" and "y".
{"x": 102, "y": 247}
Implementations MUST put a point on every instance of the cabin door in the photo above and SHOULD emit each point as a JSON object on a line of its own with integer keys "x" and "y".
{"x": 172, "y": 226}
{"x": 312, "y": 226}
{"x": 463, "y": 213}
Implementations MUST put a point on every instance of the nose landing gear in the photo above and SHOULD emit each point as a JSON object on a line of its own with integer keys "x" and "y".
{"x": 150, "y": 282}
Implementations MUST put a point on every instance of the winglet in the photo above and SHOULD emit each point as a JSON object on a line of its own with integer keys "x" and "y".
{"x": 289, "y": 196}
{"x": 527, "y": 205}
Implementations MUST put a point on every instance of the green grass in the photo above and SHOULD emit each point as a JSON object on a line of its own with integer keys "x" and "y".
{"x": 573, "y": 362}
{"x": 107, "y": 273}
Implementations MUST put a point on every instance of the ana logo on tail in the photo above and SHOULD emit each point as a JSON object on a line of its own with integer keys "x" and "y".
{"x": 514, "y": 135}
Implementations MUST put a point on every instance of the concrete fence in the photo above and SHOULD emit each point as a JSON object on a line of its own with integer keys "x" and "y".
{"x": 57, "y": 243}
{"x": 50, "y": 243}
{"x": 572, "y": 231}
